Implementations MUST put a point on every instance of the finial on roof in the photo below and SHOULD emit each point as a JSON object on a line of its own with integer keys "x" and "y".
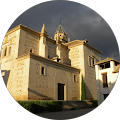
{"x": 86, "y": 41}
{"x": 69, "y": 39}
{"x": 43, "y": 30}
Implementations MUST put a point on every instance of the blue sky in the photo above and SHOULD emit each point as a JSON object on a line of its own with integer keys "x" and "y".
{"x": 79, "y": 22}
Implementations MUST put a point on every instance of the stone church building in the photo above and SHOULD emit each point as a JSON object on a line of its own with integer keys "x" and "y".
{"x": 37, "y": 67}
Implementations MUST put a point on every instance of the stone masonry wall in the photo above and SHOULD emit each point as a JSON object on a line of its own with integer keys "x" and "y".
{"x": 79, "y": 59}
{"x": 28, "y": 41}
{"x": 45, "y": 87}
{"x": 51, "y": 49}
{"x": 64, "y": 52}
{"x": 18, "y": 79}
{"x": 76, "y": 56}
{"x": 90, "y": 77}
{"x": 11, "y": 40}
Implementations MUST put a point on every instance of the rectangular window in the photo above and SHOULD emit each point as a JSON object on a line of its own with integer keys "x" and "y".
{"x": 104, "y": 78}
{"x": 75, "y": 78}
{"x": 43, "y": 71}
{"x": 89, "y": 61}
{"x": 5, "y": 51}
{"x": 105, "y": 65}
{"x": 102, "y": 66}
{"x": 93, "y": 61}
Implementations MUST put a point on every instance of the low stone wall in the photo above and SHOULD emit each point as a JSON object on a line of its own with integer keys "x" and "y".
{"x": 73, "y": 105}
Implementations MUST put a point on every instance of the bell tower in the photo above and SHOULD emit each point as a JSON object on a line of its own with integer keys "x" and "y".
{"x": 62, "y": 34}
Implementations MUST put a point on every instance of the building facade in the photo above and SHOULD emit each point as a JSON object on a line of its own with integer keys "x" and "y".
{"x": 37, "y": 67}
{"x": 106, "y": 76}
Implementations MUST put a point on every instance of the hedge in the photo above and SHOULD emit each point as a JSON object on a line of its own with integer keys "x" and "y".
{"x": 94, "y": 103}
{"x": 40, "y": 106}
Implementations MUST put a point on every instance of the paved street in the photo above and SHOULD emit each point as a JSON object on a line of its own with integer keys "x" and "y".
{"x": 65, "y": 114}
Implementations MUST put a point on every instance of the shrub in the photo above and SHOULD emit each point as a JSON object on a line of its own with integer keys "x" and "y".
{"x": 54, "y": 106}
{"x": 94, "y": 103}
{"x": 39, "y": 106}
{"x": 51, "y": 106}
{"x": 32, "y": 106}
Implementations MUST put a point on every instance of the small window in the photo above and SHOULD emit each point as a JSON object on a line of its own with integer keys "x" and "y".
{"x": 5, "y": 51}
{"x": 102, "y": 66}
{"x": 43, "y": 71}
{"x": 57, "y": 60}
{"x": 75, "y": 78}
{"x": 107, "y": 65}
{"x": 116, "y": 63}
{"x": 30, "y": 50}
{"x": 104, "y": 78}
{"x": 93, "y": 61}
{"x": 89, "y": 61}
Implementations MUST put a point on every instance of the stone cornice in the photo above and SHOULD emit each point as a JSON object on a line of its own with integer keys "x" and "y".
{"x": 81, "y": 42}
{"x": 74, "y": 43}
{"x": 13, "y": 30}
{"x": 51, "y": 40}
{"x": 25, "y": 29}
{"x": 39, "y": 58}
{"x": 50, "y": 61}
{"x": 64, "y": 46}
{"x": 22, "y": 57}
{"x": 91, "y": 47}
{"x": 30, "y": 30}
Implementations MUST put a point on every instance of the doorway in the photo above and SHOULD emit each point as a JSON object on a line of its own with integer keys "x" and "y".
{"x": 61, "y": 88}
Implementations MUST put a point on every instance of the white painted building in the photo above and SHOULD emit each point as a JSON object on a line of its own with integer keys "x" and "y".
{"x": 106, "y": 75}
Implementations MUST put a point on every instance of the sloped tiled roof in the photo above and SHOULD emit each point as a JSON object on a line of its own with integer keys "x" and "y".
{"x": 106, "y": 60}
{"x": 60, "y": 29}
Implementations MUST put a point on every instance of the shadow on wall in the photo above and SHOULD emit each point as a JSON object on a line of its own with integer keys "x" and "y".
{"x": 104, "y": 90}
{"x": 109, "y": 86}
{"x": 41, "y": 96}
{"x": 88, "y": 93}
{"x": 85, "y": 91}
{"x": 100, "y": 89}
{"x": 5, "y": 75}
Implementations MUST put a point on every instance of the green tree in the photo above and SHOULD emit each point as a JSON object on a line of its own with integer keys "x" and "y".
{"x": 82, "y": 90}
